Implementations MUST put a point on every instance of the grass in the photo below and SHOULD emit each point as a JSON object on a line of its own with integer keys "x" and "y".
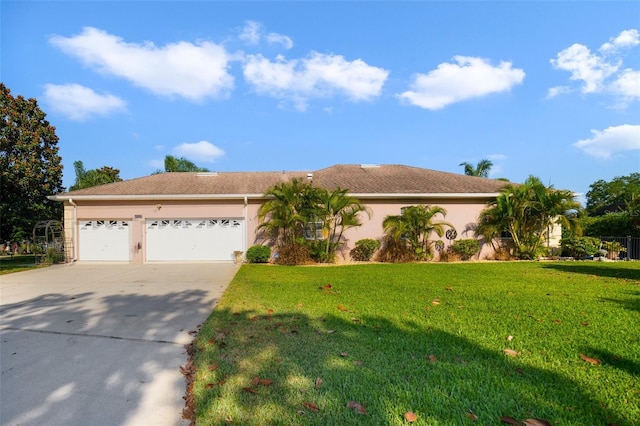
{"x": 17, "y": 263}
{"x": 425, "y": 338}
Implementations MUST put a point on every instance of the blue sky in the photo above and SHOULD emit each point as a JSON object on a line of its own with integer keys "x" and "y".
{"x": 550, "y": 89}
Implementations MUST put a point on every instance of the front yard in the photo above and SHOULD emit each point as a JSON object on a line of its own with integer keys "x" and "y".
{"x": 448, "y": 343}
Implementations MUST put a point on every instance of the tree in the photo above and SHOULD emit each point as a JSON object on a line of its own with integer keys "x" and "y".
{"x": 287, "y": 211}
{"x": 526, "y": 213}
{"x": 181, "y": 164}
{"x": 95, "y": 177}
{"x": 338, "y": 212}
{"x": 619, "y": 194}
{"x": 30, "y": 167}
{"x": 298, "y": 213}
{"x": 415, "y": 224}
{"x": 481, "y": 169}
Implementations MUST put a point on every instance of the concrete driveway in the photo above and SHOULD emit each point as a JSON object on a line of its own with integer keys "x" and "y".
{"x": 89, "y": 344}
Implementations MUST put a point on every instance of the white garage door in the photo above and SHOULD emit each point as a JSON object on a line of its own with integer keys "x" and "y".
{"x": 193, "y": 239}
{"x": 104, "y": 240}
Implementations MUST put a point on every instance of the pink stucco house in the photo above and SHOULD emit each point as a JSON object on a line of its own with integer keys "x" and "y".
{"x": 174, "y": 217}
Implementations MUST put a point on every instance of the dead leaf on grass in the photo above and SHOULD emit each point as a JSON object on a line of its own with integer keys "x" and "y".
{"x": 557, "y": 321}
{"x": 318, "y": 383}
{"x": 435, "y": 302}
{"x": 590, "y": 360}
{"x": 331, "y": 331}
{"x": 213, "y": 366}
{"x": 357, "y": 407}
{"x": 510, "y": 352}
{"x": 433, "y": 359}
{"x": 269, "y": 311}
{"x": 410, "y": 416}
{"x": 344, "y": 354}
{"x": 510, "y": 420}
{"x": 266, "y": 382}
{"x": 536, "y": 422}
{"x": 509, "y": 338}
{"x": 311, "y": 406}
{"x": 471, "y": 416}
{"x": 250, "y": 390}
{"x": 586, "y": 324}
{"x": 255, "y": 381}
{"x": 357, "y": 363}
{"x": 342, "y": 308}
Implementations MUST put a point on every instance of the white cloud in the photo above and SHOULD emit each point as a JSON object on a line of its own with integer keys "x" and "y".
{"x": 601, "y": 72}
{"x": 558, "y": 90}
{"x": 496, "y": 157}
{"x": 203, "y": 151}
{"x": 611, "y": 140}
{"x": 467, "y": 78}
{"x": 192, "y": 71}
{"x": 627, "y": 38}
{"x": 275, "y": 38}
{"x": 79, "y": 102}
{"x": 250, "y": 33}
{"x": 584, "y": 66}
{"x": 627, "y": 84}
{"x": 156, "y": 164}
{"x": 317, "y": 75}
{"x": 253, "y": 32}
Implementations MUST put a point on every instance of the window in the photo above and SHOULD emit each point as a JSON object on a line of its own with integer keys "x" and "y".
{"x": 314, "y": 231}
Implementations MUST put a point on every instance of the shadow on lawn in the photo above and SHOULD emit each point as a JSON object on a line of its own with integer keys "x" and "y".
{"x": 612, "y": 270}
{"x": 439, "y": 376}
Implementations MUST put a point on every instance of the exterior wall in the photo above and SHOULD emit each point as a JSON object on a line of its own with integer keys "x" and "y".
{"x": 137, "y": 212}
{"x": 461, "y": 213}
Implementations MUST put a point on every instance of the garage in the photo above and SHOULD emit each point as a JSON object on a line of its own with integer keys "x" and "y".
{"x": 193, "y": 239}
{"x": 104, "y": 240}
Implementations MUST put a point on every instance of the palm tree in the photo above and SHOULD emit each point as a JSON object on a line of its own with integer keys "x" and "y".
{"x": 527, "y": 213}
{"x": 338, "y": 212}
{"x": 481, "y": 169}
{"x": 286, "y": 213}
{"x": 415, "y": 224}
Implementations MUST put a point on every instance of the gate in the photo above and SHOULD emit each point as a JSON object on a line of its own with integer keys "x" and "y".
{"x": 630, "y": 247}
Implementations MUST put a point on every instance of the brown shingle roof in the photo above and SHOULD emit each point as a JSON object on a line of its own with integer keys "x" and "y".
{"x": 383, "y": 179}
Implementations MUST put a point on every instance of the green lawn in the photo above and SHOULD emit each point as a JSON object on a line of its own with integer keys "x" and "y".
{"x": 17, "y": 263}
{"x": 321, "y": 345}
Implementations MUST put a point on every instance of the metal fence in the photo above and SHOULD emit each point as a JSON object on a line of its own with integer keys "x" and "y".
{"x": 630, "y": 247}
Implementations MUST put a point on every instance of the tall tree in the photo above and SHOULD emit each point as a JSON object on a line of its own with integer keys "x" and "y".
{"x": 616, "y": 195}
{"x": 180, "y": 164}
{"x": 288, "y": 209}
{"x": 338, "y": 212}
{"x": 415, "y": 224}
{"x": 30, "y": 167}
{"x": 527, "y": 213}
{"x": 94, "y": 177}
{"x": 481, "y": 169}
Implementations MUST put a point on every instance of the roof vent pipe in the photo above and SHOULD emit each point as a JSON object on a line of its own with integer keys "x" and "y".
{"x": 310, "y": 176}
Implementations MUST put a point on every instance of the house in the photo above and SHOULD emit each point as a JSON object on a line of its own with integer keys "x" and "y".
{"x": 174, "y": 217}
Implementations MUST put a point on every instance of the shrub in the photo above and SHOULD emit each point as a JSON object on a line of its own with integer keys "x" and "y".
{"x": 295, "y": 253}
{"x": 449, "y": 255}
{"x": 318, "y": 251}
{"x": 465, "y": 248}
{"x": 613, "y": 249}
{"x": 395, "y": 251}
{"x": 364, "y": 249}
{"x": 258, "y": 254}
{"x": 580, "y": 247}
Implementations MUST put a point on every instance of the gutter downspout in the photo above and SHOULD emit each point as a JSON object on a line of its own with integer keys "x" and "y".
{"x": 74, "y": 239}
{"x": 246, "y": 224}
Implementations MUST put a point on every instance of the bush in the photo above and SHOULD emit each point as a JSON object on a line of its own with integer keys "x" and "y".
{"x": 364, "y": 249}
{"x": 465, "y": 248}
{"x": 258, "y": 254}
{"x": 293, "y": 254}
{"x": 580, "y": 247}
{"x": 395, "y": 251}
{"x": 613, "y": 249}
{"x": 449, "y": 255}
{"x": 318, "y": 251}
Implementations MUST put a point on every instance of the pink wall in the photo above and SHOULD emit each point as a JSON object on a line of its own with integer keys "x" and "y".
{"x": 461, "y": 213}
